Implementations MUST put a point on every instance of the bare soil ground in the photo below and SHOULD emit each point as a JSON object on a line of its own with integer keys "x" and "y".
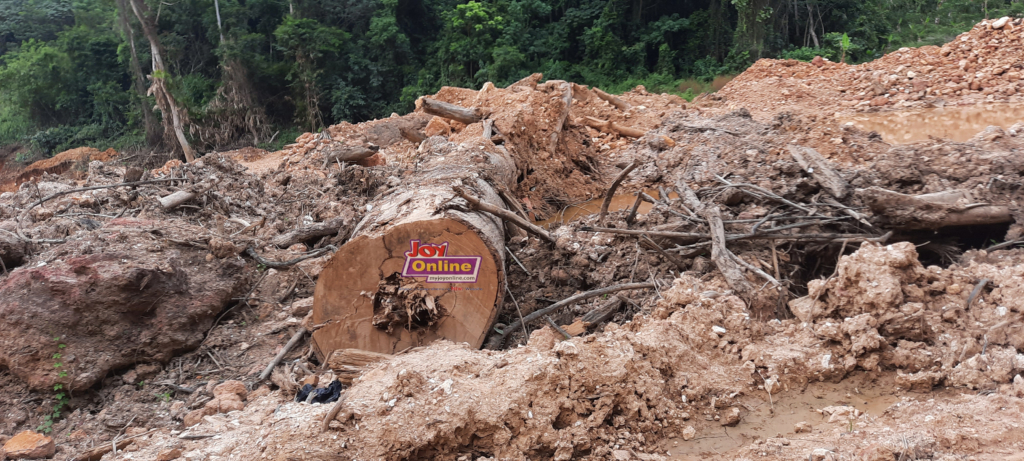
{"x": 889, "y": 335}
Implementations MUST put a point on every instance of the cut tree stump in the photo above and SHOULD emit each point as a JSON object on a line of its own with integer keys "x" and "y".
{"x": 374, "y": 297}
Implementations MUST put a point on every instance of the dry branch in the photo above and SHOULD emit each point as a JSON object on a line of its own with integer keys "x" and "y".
{"x": 284, "y": 351}
{"x": 498, "y": 340}
{"x": 291, "y": 262}
{"x": 821, "y": 169}
{"x": 502, "y": 213}
{"x": 302, "y": 234}
{"x": 615, "y": 101}
{"x": 181, "y": 197}
{"x": 611, "y": 190}
{"x": 414, "y": 136}
{"x": 613, "y": 128}
{"x": 451, "y": 111}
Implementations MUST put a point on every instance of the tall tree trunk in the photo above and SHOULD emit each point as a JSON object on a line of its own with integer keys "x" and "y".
{"x": 153, "y": 132}
{"x": 164, "y": 100}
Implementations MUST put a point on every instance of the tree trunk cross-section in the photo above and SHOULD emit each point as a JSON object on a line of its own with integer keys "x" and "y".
{"x": 362, "y": 295}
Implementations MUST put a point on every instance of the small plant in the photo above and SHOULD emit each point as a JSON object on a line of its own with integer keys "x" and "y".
{"x": 141, "y": 384}
{"x": 166, "y": 396}
{"x": 845, "y": 44}
{"x": 62, "y": 398}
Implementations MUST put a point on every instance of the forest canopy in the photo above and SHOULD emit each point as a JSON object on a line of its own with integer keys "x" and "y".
{"x": 211, "y": 74}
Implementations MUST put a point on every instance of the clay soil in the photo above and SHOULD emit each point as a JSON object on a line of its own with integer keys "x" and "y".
{"x": 907, "y": 346}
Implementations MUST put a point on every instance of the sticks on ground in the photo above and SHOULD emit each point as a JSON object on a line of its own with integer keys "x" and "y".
{"x": 284, "y": 351}
{"x": 326, "y": 424}
{"x": 611, "y": 190}
{"x": 266, "y": 262}
{"x": 504, "y": 214}
{"x": 499, "y": 340}
{"x": 181, "y": 197}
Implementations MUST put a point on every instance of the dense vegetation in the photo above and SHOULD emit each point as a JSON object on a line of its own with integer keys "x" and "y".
{"x": 81, "y": 72}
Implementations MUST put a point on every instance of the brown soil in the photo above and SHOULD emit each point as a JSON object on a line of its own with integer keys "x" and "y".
{"x": 909, "y": 348}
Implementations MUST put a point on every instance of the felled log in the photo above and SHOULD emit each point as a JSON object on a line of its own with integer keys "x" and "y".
{"x": 182, "y": 197}
{"x": 337, "y": 152}
{"x": 348, "y": 364}
{"x": 613, "y": 128}
{"x": 932, "y": 211}
{"x": 302, "y": 234}
{"x": 618, "y": 103}
{"x": 423, "y": 265}
{"x": 465, "y": 115}
{"x": 820, "y": 169}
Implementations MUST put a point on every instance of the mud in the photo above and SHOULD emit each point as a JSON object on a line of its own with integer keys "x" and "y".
{"x": 956, "y": 123}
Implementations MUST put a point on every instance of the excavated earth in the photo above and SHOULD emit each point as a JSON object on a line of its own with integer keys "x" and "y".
{"x": 157, "y": 322}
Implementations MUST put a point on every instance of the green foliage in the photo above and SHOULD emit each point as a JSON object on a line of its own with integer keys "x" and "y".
{"x": 61, "y": 396}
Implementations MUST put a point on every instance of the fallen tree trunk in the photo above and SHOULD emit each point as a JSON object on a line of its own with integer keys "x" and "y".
{"x": 423, "y": 265}
{"x": 618, "y": 103}
{"x": 465, "y": 115}
{"x": 932, "y": 211}
{"x": 338, "y": 152}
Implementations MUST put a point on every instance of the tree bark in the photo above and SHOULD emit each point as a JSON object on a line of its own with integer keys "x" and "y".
{"x": 821, "y": 169}
{"x": 362, "y": 296}
{"x": 330, "y": 227}
{"x": 465, "y": 115}
{"x": 932, "y": 211}
{"x": 150, "y": 124}
{"x": 164, "y": 99}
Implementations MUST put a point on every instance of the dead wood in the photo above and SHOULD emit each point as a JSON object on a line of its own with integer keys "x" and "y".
{"x": 504, "y": 214}
{"x": 291, "y": 262}
{"x": 97, "y": 453}
{"x": 284, "y": 351}
{"x": 498, "y": 340}
{"x": 932, "y": 211}
{"x": 728, "y": 263}
{"x": 636, "y": 207}
{"x": 465, "y": 115}
{"x": 527, "y": 83}
{"x": 182, "y": 197}
{"x": 337, "y": 152}
{"x": 326, "y": 423}
{"x": 413, "y": 135}
{"x": 305, "y": 233}
{"x": 566, "y": 90}
{"x": 615, "y": 101}
{"x": 612, "y": 188}
{"x": 646, "y": 241}
{"x": 348, "y": 364}
{"x": 821, "y": 169}
{"x": 602, "y": 312}
{"x": 687, "y": 236}
{"x": 613, "y": 128}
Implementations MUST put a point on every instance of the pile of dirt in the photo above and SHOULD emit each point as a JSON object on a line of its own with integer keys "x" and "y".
{"x": 11, "y": 178}
{"x": 981, "y": 65}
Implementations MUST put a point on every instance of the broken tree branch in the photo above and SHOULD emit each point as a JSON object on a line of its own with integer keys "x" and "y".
{"x": 499, "y": 340}
{"x": 302, "y": 234}
{"x": 611, "y": 190}
{"x": 326, "y": 424}
{"x": 613, "y": 128}
{"x": 181, "y": 197}
{"x": 284, "y": 351}
{"x": 613, "y": 100}
{"x": 502, "y": 213}
{"x": 636, "y": 207}
{"x": 451, "y": 111}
